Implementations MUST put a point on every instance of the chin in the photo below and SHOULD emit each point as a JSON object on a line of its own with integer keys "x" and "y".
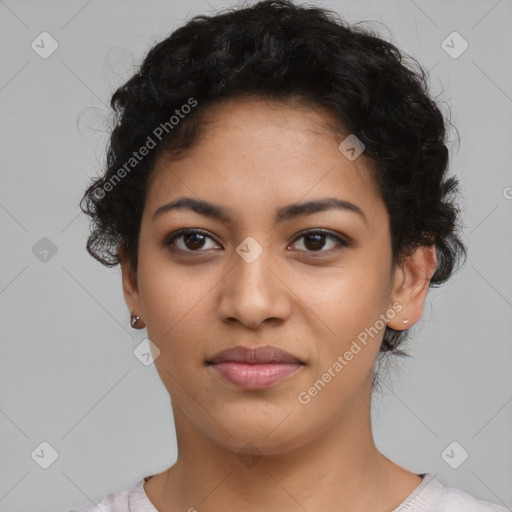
{"x": 259, "y": 435}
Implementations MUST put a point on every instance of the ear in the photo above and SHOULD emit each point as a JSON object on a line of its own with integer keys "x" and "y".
{"x": 411, "y": 284}
{"x": 130, "y": 284}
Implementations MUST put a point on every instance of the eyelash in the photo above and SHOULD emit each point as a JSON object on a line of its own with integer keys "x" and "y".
{"x": 343, "y": 243}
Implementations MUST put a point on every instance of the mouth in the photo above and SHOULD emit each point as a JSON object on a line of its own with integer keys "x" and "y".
{"x": 253, "y": 369}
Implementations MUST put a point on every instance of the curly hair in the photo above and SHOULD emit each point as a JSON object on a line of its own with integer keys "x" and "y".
{"x": 277, "y": 50}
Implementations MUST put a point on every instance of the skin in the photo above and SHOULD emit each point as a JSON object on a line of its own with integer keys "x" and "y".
{"x": 253, "y": 158}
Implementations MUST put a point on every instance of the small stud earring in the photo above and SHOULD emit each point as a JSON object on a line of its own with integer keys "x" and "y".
{"x": 134, "y": 320}
{"x": 406, "y": 321}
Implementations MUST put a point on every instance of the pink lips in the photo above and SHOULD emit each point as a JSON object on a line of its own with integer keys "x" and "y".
{"x": 257, "y": 368}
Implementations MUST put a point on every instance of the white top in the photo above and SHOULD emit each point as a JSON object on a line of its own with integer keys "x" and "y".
{"x": 430, "y": 496}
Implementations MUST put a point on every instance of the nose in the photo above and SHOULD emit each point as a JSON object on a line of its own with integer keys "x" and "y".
{"x": 252, "y": 293}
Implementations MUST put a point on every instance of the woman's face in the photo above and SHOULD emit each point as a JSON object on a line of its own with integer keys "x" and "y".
{"x": 253, "y": 281}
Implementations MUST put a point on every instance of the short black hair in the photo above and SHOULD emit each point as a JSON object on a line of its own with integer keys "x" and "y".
{"x": 277, "y": 50}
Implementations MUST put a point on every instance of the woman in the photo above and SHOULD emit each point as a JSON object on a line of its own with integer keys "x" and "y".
{"x": 276, "y": 196}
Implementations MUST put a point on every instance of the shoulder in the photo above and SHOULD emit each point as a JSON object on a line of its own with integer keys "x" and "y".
{"x": 113, "y": 502}
{"x": 452, "y": 499}
{"x": 432, "y": 496}
{"x": 133, "y": 499}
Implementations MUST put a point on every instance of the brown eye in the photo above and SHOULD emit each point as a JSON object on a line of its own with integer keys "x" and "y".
{"x": 190, "y": 240}
{"x": 315, "y": 241}
{"x": 194, "y": 240}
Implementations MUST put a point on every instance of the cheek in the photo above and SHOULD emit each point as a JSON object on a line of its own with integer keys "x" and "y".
{"x": 167, "y": 290}
{"x": 350, "y": 305}
{"x": 173, "y": 303}
{"x": 347, "y": 298}
{"x": 351, "y": 302}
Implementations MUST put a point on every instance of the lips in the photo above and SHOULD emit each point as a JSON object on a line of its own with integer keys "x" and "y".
{"x": 257, "y": 368}
{"x": 259, "y": 355}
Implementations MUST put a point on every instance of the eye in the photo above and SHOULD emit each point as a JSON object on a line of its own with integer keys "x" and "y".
{"x": 314, "y": 240}
{"x": 193, "y": 239}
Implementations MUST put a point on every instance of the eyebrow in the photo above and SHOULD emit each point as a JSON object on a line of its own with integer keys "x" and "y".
{"x": 282, "y": 214}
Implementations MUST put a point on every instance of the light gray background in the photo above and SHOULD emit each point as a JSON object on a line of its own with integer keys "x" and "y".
{"x": 67, "y": 370}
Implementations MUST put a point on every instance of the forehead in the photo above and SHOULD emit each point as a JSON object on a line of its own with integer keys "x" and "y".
{"x": 256, "y": 153}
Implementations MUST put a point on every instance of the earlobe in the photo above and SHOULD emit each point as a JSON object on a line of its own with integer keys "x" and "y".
{"x": 130, "y": 290}
{"x": 411, "y": 285}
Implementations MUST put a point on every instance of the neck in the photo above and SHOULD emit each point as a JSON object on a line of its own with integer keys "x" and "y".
{"x": 338, "y": 469}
